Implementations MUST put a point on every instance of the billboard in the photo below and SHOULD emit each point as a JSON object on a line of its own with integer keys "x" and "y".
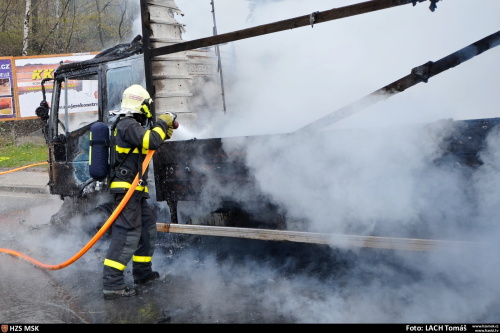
{"x": 7, "y": 104}
{"x": 21, "y": 90}
{"x": 30, "y": 71}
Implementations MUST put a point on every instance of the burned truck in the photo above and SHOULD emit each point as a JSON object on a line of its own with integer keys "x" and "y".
{"x": 183, "y": 170}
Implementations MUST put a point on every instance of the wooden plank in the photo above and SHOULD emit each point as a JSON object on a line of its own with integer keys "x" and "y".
{"x": 336, "y": 240}
{"x": 301, "y": 21}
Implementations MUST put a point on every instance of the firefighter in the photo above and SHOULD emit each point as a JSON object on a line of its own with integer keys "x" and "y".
{"x": 133, "y": 234}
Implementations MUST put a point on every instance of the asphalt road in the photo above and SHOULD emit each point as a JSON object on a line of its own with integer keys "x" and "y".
{"x": 196, "y": 286}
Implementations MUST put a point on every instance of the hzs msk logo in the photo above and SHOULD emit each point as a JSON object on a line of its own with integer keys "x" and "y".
{"x": 5, "y": 328}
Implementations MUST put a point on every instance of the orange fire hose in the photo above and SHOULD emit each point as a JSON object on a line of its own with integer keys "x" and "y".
{"x": 24, "y": 167}
{"x": 98, "y": 235}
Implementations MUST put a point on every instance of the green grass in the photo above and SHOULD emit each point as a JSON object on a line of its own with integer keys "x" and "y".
{"x": 14, "y": 156}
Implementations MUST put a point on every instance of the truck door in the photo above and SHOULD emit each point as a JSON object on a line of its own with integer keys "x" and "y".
{"x": 74, "y": 109}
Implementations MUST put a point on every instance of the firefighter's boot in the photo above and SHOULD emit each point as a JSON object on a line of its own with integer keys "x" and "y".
{"x": 153, "y": 276}
{"x": 120, "y": 293}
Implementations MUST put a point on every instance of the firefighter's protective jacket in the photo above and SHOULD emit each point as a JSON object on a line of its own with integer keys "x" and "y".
{"x": 132, "y": 143}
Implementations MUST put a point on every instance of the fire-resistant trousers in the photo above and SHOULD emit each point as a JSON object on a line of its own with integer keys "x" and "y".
{"x": 133, "y": 236}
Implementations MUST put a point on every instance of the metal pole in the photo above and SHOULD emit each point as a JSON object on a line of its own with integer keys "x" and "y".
{"x": 418, "y": 74}
{"x": 146, "y": 49}
{"x": 301, "y": 21}
{"x": 219, "y": 63}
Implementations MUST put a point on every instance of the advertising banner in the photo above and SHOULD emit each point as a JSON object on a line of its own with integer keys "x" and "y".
{"x": 30, "y": 71}
{"x": 7, "y": 105}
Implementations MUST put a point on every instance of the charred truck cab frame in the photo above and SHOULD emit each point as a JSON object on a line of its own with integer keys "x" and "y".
{"x": 67, "y": 137}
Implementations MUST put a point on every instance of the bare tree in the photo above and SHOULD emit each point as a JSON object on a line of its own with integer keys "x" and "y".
{"x": 99, "y": 22}
{"x": 57, "y": 10}
{"x": 4, "y": 14}
{"x": 55, "y": 29}
{"x": 71, "y": 26}
{"x": 33, "y": 27}
{"x": 26, "y": 29}
{"x": 121, "y": 22}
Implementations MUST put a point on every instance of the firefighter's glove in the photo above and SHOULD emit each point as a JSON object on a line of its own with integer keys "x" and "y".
{"x": 170, "y": 132}
{"x": 169, "y": 120}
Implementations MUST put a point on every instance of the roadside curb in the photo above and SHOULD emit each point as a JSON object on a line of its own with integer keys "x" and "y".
{"x": 25, "y": 189}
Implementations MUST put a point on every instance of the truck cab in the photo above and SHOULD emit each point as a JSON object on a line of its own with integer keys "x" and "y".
{"x": 67, "y": 132}
{"x": 83, "y": 93}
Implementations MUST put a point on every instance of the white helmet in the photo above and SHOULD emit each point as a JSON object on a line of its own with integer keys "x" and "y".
{"x": 136, "y": 99}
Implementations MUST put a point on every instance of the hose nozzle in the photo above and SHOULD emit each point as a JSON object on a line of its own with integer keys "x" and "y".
{"x": 175, "y": 123}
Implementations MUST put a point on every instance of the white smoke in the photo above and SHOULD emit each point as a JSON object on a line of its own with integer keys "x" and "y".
{"x": 373, "y": 173}
{"x": 344, "y": 178}
{"x": 337, "y": 62}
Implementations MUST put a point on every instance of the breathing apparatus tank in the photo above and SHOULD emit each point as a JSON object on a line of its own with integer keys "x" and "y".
{"x": 99, "y": 151}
